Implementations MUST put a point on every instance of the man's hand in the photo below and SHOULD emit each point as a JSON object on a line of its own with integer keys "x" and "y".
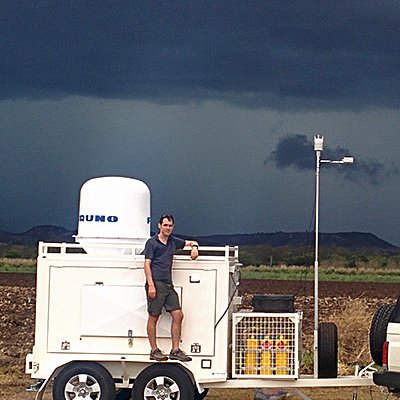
{"x": 151, "y": 292}
{"x": 194, "y": 253}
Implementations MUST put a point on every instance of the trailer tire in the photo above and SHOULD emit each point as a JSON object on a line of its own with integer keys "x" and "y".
{"x": 378, "y": 330}
{"x": 166, "y": 381}
{"x": 84, "y": 380}
{"x": 327, "y": 350}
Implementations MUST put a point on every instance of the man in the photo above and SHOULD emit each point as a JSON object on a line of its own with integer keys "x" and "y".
{"x": 158, "y": 253}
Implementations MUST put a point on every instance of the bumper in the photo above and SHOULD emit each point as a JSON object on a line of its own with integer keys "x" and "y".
{"x": 389, "y": 379}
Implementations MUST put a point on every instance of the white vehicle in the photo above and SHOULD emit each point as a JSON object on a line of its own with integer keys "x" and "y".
{"x": 90, "y": 332}
{"x": 385, "y": 346}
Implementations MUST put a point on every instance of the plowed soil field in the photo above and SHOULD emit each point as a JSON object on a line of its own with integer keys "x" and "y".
{"x": 17, "y": 305}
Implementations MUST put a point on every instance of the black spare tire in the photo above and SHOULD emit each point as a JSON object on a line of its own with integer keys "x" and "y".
{"x": 377, "y": 332}
{"x": 327, "y": 350}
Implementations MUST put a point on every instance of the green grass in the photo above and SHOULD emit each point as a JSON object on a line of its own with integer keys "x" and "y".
{"x": 330, "y": 256}
{"x": 331, "y": 274}
{"x": 17, "y": 265}
{"x": 324, "y": 274}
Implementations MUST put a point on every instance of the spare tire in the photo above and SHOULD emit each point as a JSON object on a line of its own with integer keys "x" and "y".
{"x": 378, "y": 330}
{"x": 327, "y": 350}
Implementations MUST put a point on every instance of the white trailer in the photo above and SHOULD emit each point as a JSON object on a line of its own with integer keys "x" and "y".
{"x": 90, "y": 332}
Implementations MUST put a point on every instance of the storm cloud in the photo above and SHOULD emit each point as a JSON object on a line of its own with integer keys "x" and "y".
{"x": 297, "y": 151}
{"x": 191, "y": 97}
{"x": 284, "y": 55}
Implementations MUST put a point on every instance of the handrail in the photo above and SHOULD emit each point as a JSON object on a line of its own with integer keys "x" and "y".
{"x": 127, "y": 250}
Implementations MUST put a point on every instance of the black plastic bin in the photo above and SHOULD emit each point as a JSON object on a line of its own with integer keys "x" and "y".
{"x": 283, "y": 303}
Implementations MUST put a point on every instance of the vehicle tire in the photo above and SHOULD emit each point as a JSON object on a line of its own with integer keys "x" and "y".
{"x": 377, "y": 332}
{"x": 327, "y": 350}
{"x": 84, "y": 380}
{"x": 164, "y": 381}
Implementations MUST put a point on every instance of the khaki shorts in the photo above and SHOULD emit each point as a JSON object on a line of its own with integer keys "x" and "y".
{"x": 166, "y": 297}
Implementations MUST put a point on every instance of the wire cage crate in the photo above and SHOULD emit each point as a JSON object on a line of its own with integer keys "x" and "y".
{"x": 266, "y": 345}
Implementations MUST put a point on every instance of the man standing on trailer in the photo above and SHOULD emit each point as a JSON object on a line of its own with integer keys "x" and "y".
{"x": 158, "y": 253}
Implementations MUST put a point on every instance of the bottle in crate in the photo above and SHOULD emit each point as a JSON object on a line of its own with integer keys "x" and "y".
{"x": 281, "y": 356}
{"x": 250, "y": 361}
{"x": 266, "y": 357}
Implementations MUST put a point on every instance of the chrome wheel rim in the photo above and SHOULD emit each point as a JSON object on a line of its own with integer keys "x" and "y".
{"x": 82, "y": 386}
{"x": 162, "y": 388}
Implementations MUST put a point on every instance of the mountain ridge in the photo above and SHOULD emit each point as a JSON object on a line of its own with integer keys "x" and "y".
{"x": 350, "y": 240}
{"x": 296, "y": 239}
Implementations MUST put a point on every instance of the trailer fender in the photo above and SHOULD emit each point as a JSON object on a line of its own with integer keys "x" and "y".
{"x": 185, "y": 367}
{"x": 201, "y": 391}
{"x": 40, "y": 392}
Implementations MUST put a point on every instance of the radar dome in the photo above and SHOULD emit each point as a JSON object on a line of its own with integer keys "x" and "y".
{"x": 114, "y": 210}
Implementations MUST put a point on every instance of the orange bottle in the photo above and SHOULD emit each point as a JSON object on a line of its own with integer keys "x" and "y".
{"x": 266, "y": 358}
{"x": 250, "y": 360}
{"x": 281, "y": 356}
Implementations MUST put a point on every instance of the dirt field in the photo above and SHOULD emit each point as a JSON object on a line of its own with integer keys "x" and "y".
{"x": 17, "y": 304}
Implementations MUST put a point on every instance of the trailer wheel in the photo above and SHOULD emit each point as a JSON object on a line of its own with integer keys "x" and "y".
{"x": 377, "y": 332}
{"x": 167, "y": 382}
{"x": 327, "y": 350}
{"x": 84, "y": 380}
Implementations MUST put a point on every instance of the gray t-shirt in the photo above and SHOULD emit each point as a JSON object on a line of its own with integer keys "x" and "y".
{"x": 161, "y": 256}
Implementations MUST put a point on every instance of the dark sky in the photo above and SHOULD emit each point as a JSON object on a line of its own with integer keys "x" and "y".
{"x": 214, "y": 104}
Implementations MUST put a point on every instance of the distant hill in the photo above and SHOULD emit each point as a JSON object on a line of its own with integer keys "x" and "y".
{"x": 350, "y": 240}
{"x": 46, "y": 233}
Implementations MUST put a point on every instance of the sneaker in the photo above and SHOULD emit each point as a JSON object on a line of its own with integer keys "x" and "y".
{"x": 158, "y": 355}
{"x": 179, "y": 355}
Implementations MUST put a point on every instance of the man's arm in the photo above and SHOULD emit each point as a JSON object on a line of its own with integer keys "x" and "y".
{"x": 149, "y": 279}
{"x": 195, "y": 248}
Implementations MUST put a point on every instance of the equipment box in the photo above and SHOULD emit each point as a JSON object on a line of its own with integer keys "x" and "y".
{"x": 283, "y": 303}
{"x": 266, "y": 345}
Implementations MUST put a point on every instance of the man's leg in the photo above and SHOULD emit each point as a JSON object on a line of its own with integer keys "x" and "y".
{"x": 176, "y": 327}
{"x": 172, "y": 305}
{"x": 152, "y": 330}
{"x": 156, "y": 354}
{"x": 154, "y": 308}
